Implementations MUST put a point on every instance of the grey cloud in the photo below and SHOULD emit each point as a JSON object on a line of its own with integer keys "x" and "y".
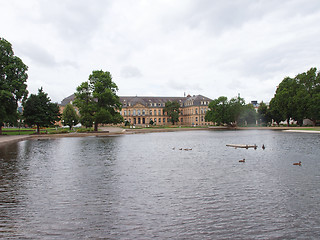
{"x": 42, "y": 56}
{"x": 130, "y": 72}
{"x": 74, "y": 19}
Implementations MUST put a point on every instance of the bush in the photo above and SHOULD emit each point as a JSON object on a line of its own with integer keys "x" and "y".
{"x": 63, "y": 130}
{"x": 84, "y": 130}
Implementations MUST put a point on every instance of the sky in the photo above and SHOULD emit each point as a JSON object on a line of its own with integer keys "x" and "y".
{"x": 164, "y": 47}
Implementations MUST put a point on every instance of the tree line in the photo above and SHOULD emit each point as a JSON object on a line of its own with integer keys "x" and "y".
{"x": 295, "y": 98}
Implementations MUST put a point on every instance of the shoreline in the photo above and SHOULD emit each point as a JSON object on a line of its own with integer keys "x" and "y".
{"x": 7, "y": 139}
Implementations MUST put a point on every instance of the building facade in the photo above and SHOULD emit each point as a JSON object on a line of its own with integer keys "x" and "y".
{"x": 141, "y": 110}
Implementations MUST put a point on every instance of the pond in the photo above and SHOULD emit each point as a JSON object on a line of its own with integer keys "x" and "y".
{"x": 142, "y": 186}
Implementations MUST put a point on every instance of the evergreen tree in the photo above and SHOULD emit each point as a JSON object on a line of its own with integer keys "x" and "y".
{"x": 40, "y": 111}
{"x": 70, "y": 116}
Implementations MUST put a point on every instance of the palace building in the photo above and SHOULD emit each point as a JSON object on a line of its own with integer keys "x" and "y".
{"x": 141, "y": 110}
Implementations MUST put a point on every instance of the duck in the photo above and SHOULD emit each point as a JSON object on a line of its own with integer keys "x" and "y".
{"x": 263, "y": 147}
{"x": 243, "y": 160}
{"x": 298, "y": 163}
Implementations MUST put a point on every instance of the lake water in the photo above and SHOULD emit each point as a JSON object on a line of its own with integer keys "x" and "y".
{"x": 139, "y": 187}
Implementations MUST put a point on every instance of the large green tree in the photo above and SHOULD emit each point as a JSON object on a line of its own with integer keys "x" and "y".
{"x": 13, "y": 79}
{"x": 97, "y": 100}
{"x": 219, "y": 111}
{"x": 236, "y": 106}
{"x": 69, "y": 116}
{"x": 309, "y": 94}
{"x": 298, "y": 98}
{"x": 172, "y": 110}
{"x": 40, "y": 111}
{"x": 85, "y": 103}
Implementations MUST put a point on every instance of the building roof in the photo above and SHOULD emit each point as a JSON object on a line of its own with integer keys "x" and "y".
{"x": 195, "y": 100}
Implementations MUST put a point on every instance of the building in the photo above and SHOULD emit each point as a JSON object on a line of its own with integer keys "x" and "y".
{"x": 141, "y": 110}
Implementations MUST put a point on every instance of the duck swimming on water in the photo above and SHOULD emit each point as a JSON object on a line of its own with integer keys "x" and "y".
{"x": 298, "y": 163}
{"x": 243, "y": 160}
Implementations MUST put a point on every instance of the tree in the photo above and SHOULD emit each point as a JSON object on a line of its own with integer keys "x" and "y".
{"x": 172, "y": 110}
{"x": 248, "y": 115}
{"x": 263, "y": 113}
{"x": 309, "y": 94}
{"x": 219, "y": 111}
{"x": 85, "y": 103}
{"x": 236, "y": 106}
{"x": 285, "y": 100}
{"x": 13, "y": 79}
{"x": 40, "y": 111}
{"x": 70, "y": 116}
{"x": 97, "y": 100}
{"x": 298, "y": 97}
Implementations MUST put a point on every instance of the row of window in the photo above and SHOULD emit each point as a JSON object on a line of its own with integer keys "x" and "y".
{"x": 160, "y": 112}
{"x": 164, "y": 120}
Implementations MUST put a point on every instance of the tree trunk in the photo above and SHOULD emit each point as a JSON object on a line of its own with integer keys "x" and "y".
{"x": 0, "y": 129}
{"x": 96, "y": 127}
{"x": 288, "y": 122}
{"x": 38, "y": 129}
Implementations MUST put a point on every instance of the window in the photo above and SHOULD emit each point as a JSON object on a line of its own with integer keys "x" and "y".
{"x": 196, "y": 119}
{"x": 164, "y": 120}
{"x": 155, "y": 120}
{"x": 139, "y": 113}
{"x": 143, "y": 112}
{"x": 182, "y": 120}
{"x": 159, "y": 120}
{"x": 155, "y": 112}
{"x": 129, "y": 113}
{"x": 125, "y": 113}
{"x": 159, "y": 112}
{"x": 150, "y": 112}
{"x": 134, "y": 112}
{"x": 196, "y": 110}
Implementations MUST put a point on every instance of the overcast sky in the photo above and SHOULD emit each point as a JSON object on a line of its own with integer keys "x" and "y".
{"x": 164, "y": 47}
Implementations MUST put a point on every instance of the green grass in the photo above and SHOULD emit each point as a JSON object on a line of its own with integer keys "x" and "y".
{"x": 310, "y": 129}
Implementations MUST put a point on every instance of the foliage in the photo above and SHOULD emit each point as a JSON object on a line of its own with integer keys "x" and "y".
{"x": 13, "y": 79}
{"x": 82, "y": 130}
{"x": 221, "y": 111}
{"x": 59, "y": 131}
{"x": 263, "y": 113}
{"x": 69, "y": 116}
{"x": 248, "y": 115}
{"x": 172, "y": 110}
{"x": 236, "y": 106}
{"x": 40, "y": 111}
{"x": 97, "y": 100}
{"x": 297, "y": 98}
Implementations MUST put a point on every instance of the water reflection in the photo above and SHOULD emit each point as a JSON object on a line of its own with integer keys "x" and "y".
{"x": 138, "y": 187}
